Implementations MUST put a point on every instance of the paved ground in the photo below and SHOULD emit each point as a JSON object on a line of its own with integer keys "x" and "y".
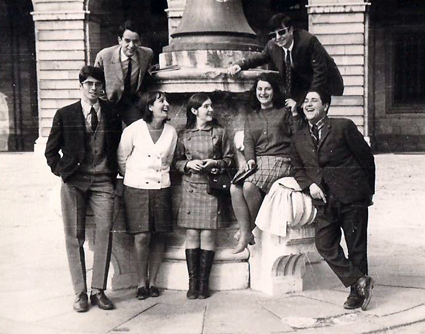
{"x": 36, "y": 294}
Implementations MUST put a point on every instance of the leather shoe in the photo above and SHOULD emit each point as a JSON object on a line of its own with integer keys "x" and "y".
{"x": 81, "y": 302}
{"x": 100, "y": 299}
{"x": 142, "y": 293}
{"x": 364, "y": 288}
{"x": 154, "y": 291}
{"x": 353, "y": 301}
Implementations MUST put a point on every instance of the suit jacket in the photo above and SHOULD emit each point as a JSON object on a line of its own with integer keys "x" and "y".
{"x": 68, "y": 135}
{"x": 342, "y": 164}
{"x": 312, "y": 65}
{"x": 109, "y": 60}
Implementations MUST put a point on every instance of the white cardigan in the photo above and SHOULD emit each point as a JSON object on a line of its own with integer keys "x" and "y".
{"x": 145, "y": 164}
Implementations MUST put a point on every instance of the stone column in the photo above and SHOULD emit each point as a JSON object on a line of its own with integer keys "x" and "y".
{"x": 342, "y": 27}
{"x": 61, "y": 52}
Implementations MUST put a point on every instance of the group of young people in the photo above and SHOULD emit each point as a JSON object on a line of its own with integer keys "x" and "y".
{"x": 287, "y": 133}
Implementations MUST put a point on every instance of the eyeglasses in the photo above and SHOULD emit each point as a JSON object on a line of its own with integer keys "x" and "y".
{"x": 281, "y": 32}
{"x": 90, "y": 84}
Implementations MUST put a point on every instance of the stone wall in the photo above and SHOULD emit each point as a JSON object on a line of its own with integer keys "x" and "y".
{"x": 61, "y": 49}
{"x": 341, "y": 26}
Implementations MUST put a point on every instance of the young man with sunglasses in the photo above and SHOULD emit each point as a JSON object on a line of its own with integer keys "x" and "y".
{"x": 300, "y": 58}
{"x": 81, "y": 149}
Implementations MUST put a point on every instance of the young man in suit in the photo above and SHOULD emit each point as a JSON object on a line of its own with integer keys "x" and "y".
{"x": 81, "y": 149}
{"x": 332, "y": 161}
{"x": 125, "y": 66}
{"x": 300, "y": 58}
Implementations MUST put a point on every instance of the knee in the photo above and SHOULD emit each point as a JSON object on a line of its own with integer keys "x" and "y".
{"x": 142, "y": 239}
{"x": 192, "y": 236}
{"x": 235, "y": 190}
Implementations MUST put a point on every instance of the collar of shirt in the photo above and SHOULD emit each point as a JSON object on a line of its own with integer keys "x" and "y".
{"x": 207, "y": 128}
{"x": 124, "y": 57}
{"x": 319, "y": 124}
{"x": 87, "y": 107}
{"x": 288, "y": 49}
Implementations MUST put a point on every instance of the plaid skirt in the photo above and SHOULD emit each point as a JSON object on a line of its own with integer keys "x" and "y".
{"x": 147, "y": 210}
{"x": 198, "y": 209}
{"x": 269, "y": 169}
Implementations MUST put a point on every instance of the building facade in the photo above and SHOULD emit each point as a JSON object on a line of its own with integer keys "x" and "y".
{"x": 378, "y": 46}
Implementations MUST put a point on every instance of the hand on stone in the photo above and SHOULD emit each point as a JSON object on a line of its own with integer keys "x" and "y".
{"x": 234, "y": 69}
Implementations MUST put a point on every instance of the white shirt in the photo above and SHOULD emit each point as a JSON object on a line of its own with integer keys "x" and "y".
{"x": 289, "y": 49}
{"x": 86, "y": 110}
{"x": 145, "y": 164}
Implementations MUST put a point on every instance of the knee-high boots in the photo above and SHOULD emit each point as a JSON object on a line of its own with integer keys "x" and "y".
{"x": 205, "y": 265}
{"x": 192, "y": 261}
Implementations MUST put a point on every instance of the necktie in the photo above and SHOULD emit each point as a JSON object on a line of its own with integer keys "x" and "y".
{"x": 127, "y": 80}
{"x": 315, "y": 134}
{"x": 94, "y": 120}
{"x": 288, "y": 74}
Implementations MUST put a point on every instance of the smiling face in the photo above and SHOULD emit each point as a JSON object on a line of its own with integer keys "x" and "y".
{"x": 313, "y": 107}
{"x": 283, "y": 36}
{"x": 264, "y": 93}
{"x": 91, "y": 90}
{"x": 160, "y": 108}
{"x": 129, "y": 42}
{"x": 204, "y": 113}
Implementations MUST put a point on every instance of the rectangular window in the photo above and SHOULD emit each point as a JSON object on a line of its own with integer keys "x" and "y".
{"x": 409, "y": 68}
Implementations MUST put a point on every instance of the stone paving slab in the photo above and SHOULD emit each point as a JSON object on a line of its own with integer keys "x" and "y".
{"x": 241, "y": 313}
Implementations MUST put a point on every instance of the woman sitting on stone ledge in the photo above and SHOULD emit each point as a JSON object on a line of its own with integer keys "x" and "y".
{"x": 203, "y": 146}
{"x": 267, "y": 135}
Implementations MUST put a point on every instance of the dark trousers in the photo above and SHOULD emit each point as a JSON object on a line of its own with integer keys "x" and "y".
{"x": 331, "y": 220}
{"x": 99, "y": 194}
{"x": 127, "y": 108}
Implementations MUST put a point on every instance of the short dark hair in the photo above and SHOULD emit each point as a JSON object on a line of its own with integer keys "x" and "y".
{"x": 279, "y": 20}
{"x": 196, "y": 101}
{"x": 128, "y": 25}
{"x": 91, "y": 71}
{"x": 324, "y": 95}
{"x": 148, "y": 99}
{"x": 274, "y": 80}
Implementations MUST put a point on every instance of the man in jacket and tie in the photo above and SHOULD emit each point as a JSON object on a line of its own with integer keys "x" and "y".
{"x": 332, "y": 161}
{"x": 81, "y": 149}
{"x": 125, "y": 66}
{"x": 300, "y": 58}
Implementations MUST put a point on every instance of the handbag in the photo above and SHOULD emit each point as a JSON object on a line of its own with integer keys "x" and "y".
{"x": 220, "y": 182}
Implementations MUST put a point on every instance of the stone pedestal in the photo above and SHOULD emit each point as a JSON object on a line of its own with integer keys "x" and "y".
{"x": 278, "y": 265}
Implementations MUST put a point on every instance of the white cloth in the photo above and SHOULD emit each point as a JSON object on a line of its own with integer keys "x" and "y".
{"x": 285, "y": 205}
{"x": 145, "y": 164}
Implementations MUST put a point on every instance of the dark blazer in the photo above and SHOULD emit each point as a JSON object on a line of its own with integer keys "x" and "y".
{"x": 343, "y": 163}
{"x": 312, "y": 66}
{"x": 68, "y": 135}
{"x": 109, "y": 60}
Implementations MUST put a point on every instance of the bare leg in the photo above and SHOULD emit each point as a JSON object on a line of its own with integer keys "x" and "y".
{"x": 253, "y": 199}
{"x": 155, "y": 257}
{"x": 141, "y": 244}
{"x": 193, "y": 239}
{"x": 246, "y": 202}
{"x": 208, "y": 239}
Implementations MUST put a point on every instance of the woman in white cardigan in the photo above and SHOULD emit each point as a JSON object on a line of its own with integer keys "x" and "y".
{"x": 145, "y": 155}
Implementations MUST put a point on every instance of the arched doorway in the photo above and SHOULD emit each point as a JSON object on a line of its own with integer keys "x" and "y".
{"x": 18, "y": 82}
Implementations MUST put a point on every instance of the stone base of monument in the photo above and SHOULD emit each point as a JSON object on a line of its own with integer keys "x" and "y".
{"x": 280, "y": 265}
{"x": 229, "y": 271}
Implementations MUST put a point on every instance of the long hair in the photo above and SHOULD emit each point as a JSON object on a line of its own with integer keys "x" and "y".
{"x": 148, "y": 99}
{"x": 195, "y": 101}
{"x": 274, "y": 81}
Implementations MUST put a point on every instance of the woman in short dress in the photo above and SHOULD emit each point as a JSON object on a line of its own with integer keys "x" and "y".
{"x": 145, "y": 155}
{"x": 203, "y": 146}
{"x": 267, "y": 135}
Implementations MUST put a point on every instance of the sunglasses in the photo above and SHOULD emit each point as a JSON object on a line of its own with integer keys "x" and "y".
{"x": 277, "y": 33}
